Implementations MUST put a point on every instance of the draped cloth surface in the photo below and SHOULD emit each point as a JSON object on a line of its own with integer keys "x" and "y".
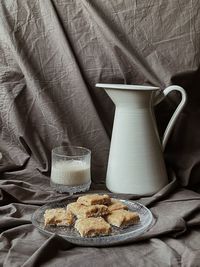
{"x": 52, "y": 53}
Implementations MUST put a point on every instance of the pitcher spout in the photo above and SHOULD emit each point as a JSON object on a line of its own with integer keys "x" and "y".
{"x": 123, "y": 95}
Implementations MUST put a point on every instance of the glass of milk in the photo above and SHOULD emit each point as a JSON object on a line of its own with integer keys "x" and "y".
{"x": 70, "y": 169}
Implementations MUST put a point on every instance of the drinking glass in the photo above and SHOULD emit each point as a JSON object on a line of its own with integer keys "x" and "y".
{"x": 70, "y": 169}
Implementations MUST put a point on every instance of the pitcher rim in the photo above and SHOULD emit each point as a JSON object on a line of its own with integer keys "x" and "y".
{"x": 127, "y": 86}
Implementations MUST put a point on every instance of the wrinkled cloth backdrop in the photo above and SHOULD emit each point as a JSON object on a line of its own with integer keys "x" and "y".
{"x": 52, "y": 53}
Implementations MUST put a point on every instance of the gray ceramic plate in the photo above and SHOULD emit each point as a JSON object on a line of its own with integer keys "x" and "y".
{"x": 117, "y": 236}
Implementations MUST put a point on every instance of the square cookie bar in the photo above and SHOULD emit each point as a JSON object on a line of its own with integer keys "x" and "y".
{"x": 89, "y": 227}
{"x": 116, "y": 205}
{"x": 59, "y": 216}
{"x": 122, "y": 218}
{"x": 82, "y": 211}
{"x": 94, "y": 199}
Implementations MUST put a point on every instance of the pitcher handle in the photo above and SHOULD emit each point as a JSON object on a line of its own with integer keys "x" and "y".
{"x": 174, "y": 117}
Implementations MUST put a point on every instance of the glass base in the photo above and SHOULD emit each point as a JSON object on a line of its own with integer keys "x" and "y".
{"x": 61, "y": 188}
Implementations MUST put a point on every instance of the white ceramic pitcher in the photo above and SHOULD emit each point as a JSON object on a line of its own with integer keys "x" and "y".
{"x": 136, "y": 164}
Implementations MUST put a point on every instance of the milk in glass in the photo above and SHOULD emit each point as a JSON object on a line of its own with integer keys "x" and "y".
{"x": 70, "y": 173}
